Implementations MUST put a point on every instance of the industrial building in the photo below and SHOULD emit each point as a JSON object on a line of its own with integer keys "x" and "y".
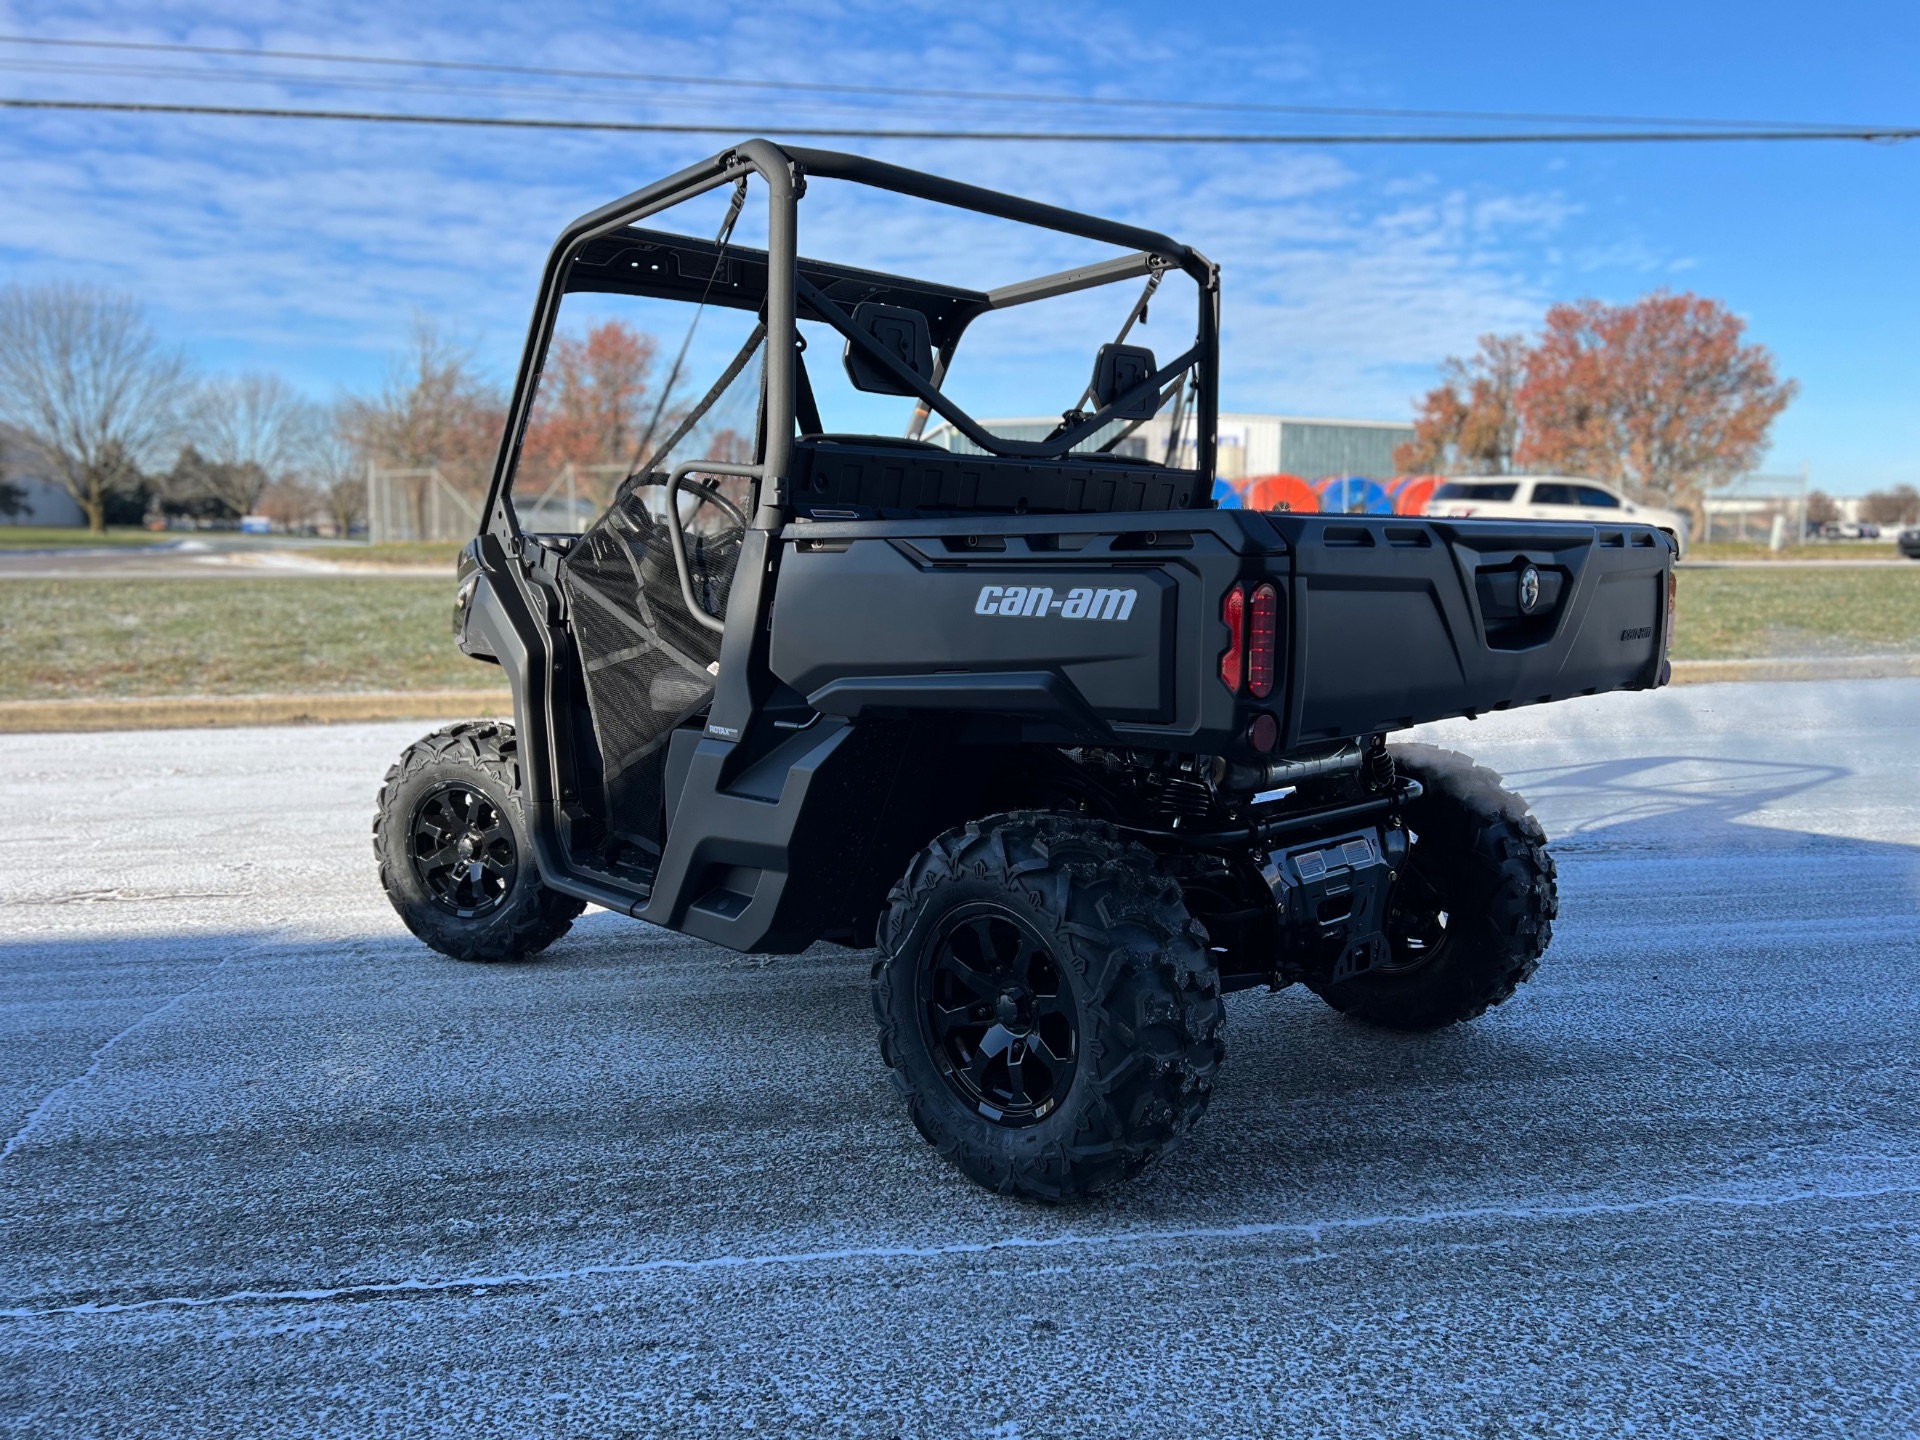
{"x": 1249, "y": 444}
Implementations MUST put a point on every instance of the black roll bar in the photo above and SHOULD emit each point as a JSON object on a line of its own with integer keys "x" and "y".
{"x": 784, "y": 169}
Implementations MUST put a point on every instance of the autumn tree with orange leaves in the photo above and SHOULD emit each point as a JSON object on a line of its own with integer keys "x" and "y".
{"x": 1468, "y": 424}
{"x": 596, "y": 399}
{"x": 1663, "y": 396}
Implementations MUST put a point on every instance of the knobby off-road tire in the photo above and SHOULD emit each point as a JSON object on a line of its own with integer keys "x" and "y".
{"x": 1481, "y": 858}
{"x": 1091, "y": 1049}
{"x": 459, "y": 787}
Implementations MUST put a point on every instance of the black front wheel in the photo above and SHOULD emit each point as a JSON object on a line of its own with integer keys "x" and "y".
{"x": 451, "y": 841}
{"x": 1472, "y": 910}
{"x": 1047, "y": 1007}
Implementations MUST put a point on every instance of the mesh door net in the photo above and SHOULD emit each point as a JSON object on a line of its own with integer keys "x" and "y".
{"x": 646, "y": 659}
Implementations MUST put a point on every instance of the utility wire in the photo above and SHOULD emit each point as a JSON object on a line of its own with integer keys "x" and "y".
{"x": 1880, "y": 134}
{"x": 995, "y": 96}
{"x": 204, "y": 80}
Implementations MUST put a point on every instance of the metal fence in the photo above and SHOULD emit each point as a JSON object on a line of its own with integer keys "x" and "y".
{"x": 1747, "y": 508}
{"x": 418, "y": 505}
{"x": 404, "y": 505}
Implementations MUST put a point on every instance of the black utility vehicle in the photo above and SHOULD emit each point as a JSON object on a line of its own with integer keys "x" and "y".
{"x": 1077, "y": 750}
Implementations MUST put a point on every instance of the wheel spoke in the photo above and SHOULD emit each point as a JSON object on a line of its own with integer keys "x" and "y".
{"x": 1046, "y": 1005}
{"x": 1039, "y": 1049}
{"x": 977, "y": 1072}
{"x": 949, "y": 1018}
{"x": 982, "y": 985}
{"x": 988, "y": 953}
{"x": 1034, "y": 966}
{"x": 1016, "y": 1079}
{"x": 996, "y": 1040}
{"x": 441, "y": 857}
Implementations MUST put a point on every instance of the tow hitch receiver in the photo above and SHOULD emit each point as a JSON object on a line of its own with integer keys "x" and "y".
{"x": 1332, "y": 901}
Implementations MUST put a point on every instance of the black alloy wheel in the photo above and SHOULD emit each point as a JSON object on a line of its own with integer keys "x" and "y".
{"x": 449, "y": 833}
{"x": 462, "y": 850}
{"x": 1048, "y": 1008}
{"x": 1472, "y": 910}
{"x": 1000, "y": 1019}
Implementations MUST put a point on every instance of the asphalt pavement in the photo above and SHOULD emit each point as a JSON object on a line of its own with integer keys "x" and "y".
{"x": 274, "y": 1169}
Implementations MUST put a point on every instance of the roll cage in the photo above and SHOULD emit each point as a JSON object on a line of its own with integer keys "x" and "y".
{"x": 607, "y": 252}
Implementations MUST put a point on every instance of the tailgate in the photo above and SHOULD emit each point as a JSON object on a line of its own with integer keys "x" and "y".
{"x": 1401, "y": 621}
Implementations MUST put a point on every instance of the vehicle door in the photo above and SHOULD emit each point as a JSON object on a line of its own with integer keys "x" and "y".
{"x": 1465, "y": 498}
{"x": 1553, "y": 500}
{"x": 1597, "y": 505}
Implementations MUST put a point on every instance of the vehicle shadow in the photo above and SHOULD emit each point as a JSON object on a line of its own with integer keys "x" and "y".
{"x": 1691, "y": 792}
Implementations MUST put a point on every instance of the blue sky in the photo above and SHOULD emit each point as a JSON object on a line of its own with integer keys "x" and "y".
{"x": 1350, "y": 274}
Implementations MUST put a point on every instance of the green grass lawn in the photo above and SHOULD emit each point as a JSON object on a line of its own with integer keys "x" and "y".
{"x": 1755, "y": 614}
{"x": 104, "y": 638}
{"x": 55, "y": 537}
{"x": 1811, "y": 550}
{"x": 100, "y": 639}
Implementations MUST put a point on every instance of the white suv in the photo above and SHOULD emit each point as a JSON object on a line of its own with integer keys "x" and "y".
{"x": 1548, "y": 497}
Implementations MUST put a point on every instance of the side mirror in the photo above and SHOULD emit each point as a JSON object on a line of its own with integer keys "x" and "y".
{"x": 902, "y": 333}
{"x": 1116, "y": 370}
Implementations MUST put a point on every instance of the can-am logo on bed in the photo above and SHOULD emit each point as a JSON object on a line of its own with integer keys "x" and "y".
{"x": 1036, "y": 602}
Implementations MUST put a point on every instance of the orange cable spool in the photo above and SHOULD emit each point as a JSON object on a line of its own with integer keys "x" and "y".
{"x": 1281, "y": 492}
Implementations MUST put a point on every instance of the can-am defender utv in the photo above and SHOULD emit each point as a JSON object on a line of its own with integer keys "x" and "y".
{"x": 1077, "y": 749}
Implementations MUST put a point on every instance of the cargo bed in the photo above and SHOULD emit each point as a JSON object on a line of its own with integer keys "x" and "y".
{"x": 1383, "y": 622}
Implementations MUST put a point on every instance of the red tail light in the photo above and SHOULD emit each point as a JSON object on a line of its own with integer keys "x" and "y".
{"x": 1232, "y": 612}
{"x": 1262, "y": 636}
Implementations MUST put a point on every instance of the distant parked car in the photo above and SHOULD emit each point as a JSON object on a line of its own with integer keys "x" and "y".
{"x": 1851, "y": 530}
{"x": 1909, "y": 542}
{"x": 1549, "y": 497}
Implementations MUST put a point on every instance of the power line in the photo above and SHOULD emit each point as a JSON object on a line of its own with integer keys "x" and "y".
{"x": 200, "y": 79}
{"x": 1880, "y": 134}
{"x": 995, "y": 96}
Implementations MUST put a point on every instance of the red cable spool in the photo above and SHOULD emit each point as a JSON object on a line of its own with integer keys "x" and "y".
{"x": 1411, "y": 494}
{"x": 1281, "y": 492}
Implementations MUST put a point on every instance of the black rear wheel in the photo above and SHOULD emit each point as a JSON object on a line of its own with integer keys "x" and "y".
{"x": 451, "y": 840}
{"x": 1473, "y": 909}
{"x": 1047, "y": 1007}
{"x": 1000, "y": 1019}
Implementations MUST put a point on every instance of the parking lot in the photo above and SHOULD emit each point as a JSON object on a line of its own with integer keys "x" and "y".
{"x": 274, "y": 1168}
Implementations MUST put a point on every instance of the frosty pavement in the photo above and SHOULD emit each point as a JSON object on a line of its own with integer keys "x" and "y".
{"x": 271, "y": 1167}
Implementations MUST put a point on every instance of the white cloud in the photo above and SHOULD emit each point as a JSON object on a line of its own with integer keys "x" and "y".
{"x": 310, "y": 245}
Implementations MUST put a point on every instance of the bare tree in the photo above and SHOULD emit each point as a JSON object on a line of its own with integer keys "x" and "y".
{"x": 254, "y": 430}
{"x": 84, "y": 380}
{"x": 433, "y": 414}
{"x": 1467, "y": 424}
{"x": 335, "y": 468}
{"x": 1898, "y": 506}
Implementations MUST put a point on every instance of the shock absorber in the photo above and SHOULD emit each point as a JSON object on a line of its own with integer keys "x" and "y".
{"x": 1378, "y": 765}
